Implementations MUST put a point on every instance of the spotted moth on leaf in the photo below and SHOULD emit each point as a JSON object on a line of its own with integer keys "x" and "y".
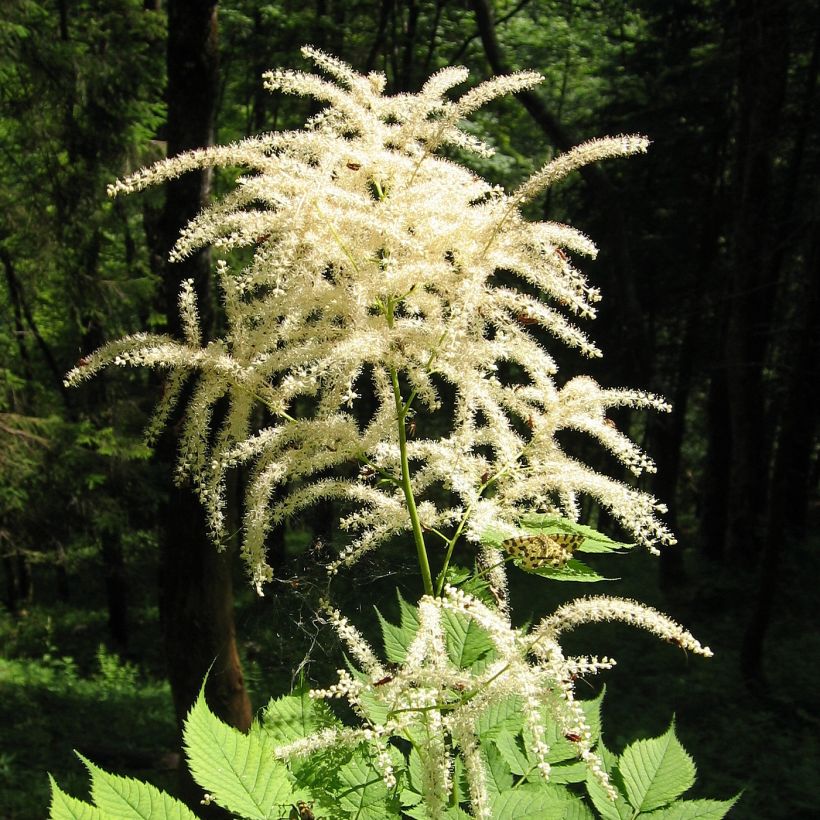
{"x": 542, "y": 550}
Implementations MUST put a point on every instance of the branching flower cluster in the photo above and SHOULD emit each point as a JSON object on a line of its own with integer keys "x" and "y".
{"x": 375, "y": 276}
{"x": 438, "y": 704}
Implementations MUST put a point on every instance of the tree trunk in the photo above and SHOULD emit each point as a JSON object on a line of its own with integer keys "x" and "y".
{"x": 790, "y": 487}
{"x": 792, "y": 463}
{"x": 762, "y": 70}
{"x": 116, "y": 588}
{"x": 196, "y": 592}
{"x": 715, "y": 474}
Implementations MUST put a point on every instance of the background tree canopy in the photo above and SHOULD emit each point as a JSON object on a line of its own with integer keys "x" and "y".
{"x": 709, "y": 267}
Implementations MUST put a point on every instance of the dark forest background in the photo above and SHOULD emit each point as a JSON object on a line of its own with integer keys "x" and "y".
{"x": 115, "y": 604}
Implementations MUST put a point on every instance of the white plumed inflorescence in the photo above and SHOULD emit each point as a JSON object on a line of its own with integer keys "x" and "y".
{"x": 431, "y": 696}
{"x": 373, "y": 256}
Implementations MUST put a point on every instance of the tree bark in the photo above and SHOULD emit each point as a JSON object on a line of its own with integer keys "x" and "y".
{"x": 196, "y": 591}
{"x": 792, "y": 463}
{"x": 762, "y": 71}
{"x": 799, "y": 409}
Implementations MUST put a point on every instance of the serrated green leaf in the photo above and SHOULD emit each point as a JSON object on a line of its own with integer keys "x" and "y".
{"x": 592, "y": 712}
{"x": 569, "y": 772}
{"x": 395, "y": 639}
{"x": 451, "y": 813}
{"x": 65, "y": 807}
{"x": 493, "y": 538}
{"x": 656, "y": 771}
{"x": 562, "y": 749}
{"x": 466, "y": 641}
{"x": 501, "y": 716}
{"x": 457, "y": 575}
{"x": 534, "y": 802}
{"x": 694, "y": 810}
{"x": 415, "y": 770}
{"x": 398, "y": 638}
{"x": 609, "y": 810}
{"x": 124, "y": 798}
{"x": 409, "y": 618}
{"x": 578, "y": 811}
{"x": 512, "y": 749}
{"x": 499, "y": 776}
{"x": 408, "y": 797}
{"x": 573, "y": 570}
{"x": 363, "y": 793}
{"x": 295, "y": 716}
{"x": 238, "y": 770}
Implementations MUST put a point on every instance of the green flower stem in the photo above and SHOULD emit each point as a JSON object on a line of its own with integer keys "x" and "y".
{"x": 451, "y": 543}
{"x": 401, "y": 413}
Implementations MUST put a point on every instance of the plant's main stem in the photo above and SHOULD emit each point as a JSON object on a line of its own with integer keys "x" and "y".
{"x": 418, "y": 536}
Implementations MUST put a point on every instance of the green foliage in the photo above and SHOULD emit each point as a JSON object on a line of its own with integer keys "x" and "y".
{"x": 248, "y": 775}
{"x": 656, "y": 772}
{"x": 650, "y": 777}
{"x": 117, "y": 797}
{"x": 239, "y": 770}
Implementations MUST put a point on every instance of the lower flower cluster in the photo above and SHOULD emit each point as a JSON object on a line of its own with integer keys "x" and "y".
{"x": 457, "y": 665}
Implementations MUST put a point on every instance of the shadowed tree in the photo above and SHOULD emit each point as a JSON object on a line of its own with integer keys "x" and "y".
{"x": 196, "y": 591}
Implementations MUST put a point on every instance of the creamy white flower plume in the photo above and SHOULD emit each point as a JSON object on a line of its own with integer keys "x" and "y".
{"x": 374, "y": 257}
{"x": 431, "y": 696}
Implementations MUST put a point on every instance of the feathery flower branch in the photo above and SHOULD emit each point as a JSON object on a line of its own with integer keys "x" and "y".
{"x": 374, "y": 258}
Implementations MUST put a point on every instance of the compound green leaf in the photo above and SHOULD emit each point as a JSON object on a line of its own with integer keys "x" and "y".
{"x": 395, "y": 639}
{"x": 295, "y": 716}
{"x": 238, "y": 770}
{"x": 123, "y": 798}
{"x": 409, "y": 615}
{"x": 569, "y": 772}
{"x": 536, "y": 802}
{"x": 656, "y": 771}
{"x": 594, "y": 541}
{"x": 500, "y": 716}
{"x": 364, "y": 794}
{"x": 65, "y": 807}
{"x": 467, "y": 642}
{"x": 573, "y": 570}
{"x": 512, "y": 750}
{"x": 499, "y": 776}
{"x": 609, "y": 810}
{"x": 450, "y": 813}
{"x": 694, "y": 810}
{"x": 562, "y": 749}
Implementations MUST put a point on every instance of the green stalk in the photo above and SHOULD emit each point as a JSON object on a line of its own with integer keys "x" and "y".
{"x": 418, "y": 536}
{"x": 451, "y": 543}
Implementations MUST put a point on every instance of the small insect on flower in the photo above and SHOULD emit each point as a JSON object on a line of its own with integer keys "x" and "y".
{"x": 353, "y": 166}
{"x": 383, "y": 681}
{"x": 83, "y": 361}
{"x": 526, "y": 319}
{"x": 542, "y": 550}
{"x": 573, "y": 737}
